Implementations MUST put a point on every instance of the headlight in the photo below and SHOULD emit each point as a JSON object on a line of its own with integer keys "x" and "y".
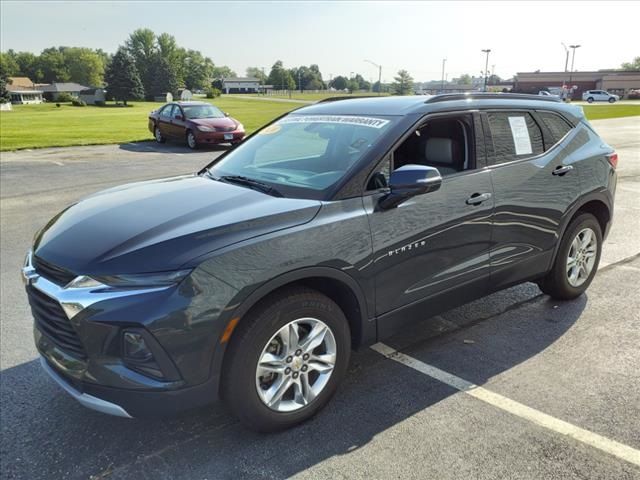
{"x": 204, "y": 128}
{"x": 239, "y": 127}
{"x": 144, "y": 280}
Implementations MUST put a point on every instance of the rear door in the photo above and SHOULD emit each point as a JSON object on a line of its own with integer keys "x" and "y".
{"x": 534, "y": 185}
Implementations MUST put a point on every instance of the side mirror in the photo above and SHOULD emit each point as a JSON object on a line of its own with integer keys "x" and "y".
{"x": 226, "y": 114}
{"x": 409, "y": 181}
{"x": 178, "y": 117}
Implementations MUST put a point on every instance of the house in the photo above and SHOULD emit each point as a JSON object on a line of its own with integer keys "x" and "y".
{"x": 241, "y": 85}
{"x": 23, "y": 91}
{"x": 93, "y": 96}
{"x": 53, "y": 91}
{"x": 618, "y": 82}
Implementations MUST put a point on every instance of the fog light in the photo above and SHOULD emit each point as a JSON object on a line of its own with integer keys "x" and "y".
{"x": 135, "y": 348}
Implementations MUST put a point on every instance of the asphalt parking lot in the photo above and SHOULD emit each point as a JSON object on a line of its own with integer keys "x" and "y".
{"x": 560, "y": 394}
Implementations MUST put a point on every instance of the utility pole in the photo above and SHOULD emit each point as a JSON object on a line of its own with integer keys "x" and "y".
{"x": 566, "y": 57}
{"x": 379, "y": 75}
{"x": 444, "y": 60}
{"x": 486, "y": 67}
{"x": 300, "y": 80}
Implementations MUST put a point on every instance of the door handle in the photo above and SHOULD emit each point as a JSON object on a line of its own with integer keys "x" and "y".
{"x": 478, "y": 198}
{"x": 560, "y": 170}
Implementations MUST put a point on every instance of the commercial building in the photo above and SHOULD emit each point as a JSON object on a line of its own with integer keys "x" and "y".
{"x": 614, "y": 81}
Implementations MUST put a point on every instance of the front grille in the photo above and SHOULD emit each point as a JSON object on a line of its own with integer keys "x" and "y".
{"x": 53, "y": 323}
{"x": 225, "y": 129}
{"x": 51, "y": 272}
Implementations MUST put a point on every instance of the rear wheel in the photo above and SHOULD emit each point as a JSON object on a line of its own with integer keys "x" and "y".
{"x": 158, "y": 134}
{"x": 590, "y": 99}
{"x": 286, "y": 360}
{"x": 577, "y": 260}
{"x": 191, "y": 140}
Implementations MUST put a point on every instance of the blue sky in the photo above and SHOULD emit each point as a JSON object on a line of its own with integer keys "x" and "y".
{"x": 338, "y": 36}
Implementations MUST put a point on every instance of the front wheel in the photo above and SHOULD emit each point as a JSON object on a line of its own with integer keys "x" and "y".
{"x": 577, "y": 260}
{"x": 192, "y": 143}
{"x": 612, "y": 100}
{"x": 158, "y": 134}
{"x": 286, "y": 360}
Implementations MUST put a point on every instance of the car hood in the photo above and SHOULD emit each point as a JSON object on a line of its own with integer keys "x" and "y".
{"x": 162, "y": 225}
{"x": 224, "y": 122}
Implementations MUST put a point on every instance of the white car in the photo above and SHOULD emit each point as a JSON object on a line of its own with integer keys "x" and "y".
{"x": 599, "y": 96}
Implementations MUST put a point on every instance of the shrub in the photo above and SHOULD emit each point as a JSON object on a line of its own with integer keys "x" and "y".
{"x": 213, "y": 92}
{"x": 78, "y": 103}
{"x": 65, "y": 97}
{"x": 58, "y": 105}
{"x": 99, "y": 103}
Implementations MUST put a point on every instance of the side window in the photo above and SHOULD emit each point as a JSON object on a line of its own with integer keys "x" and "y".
{"x": 557, "y": 125}
{"x": 380, "y": 178}
{"x": 166, "y": 112}
{"x": 176, "y": 111}
{"x": 515, "y": 136}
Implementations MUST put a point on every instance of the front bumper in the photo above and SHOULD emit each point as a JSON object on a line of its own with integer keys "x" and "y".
{"x": 79, "y": 334}
{"x": 219, "y": 137}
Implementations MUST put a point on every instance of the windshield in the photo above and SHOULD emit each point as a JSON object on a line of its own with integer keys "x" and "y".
{"x": 202, "y": 111}
{"x": 304, "y": 155}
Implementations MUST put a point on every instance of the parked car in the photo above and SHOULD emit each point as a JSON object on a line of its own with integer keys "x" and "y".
{"x": 634, "y": 94}
{"x": 330, "y": 229}
{"x": 599, "y": 96}
{"x": 197, "y": 123}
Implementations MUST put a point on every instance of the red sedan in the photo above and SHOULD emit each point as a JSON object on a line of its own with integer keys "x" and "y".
{"x": 197, "y": 123}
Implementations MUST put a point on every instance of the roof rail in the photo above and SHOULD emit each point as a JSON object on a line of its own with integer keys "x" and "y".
{"x": 484, "y": 95}
{"x": 337, "y": 99}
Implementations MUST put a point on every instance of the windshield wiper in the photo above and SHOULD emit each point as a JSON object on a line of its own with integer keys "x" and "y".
{"x": 249, "y": 182}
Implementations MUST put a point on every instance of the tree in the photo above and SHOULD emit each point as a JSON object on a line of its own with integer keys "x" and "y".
{"x": 222, "y": 72}
{"x": 403, "y": 84}
{"x": 197, "y": 70}
{"x": 256, "y": 72}
{"x": 5, "y": 97}
{"x": 8, "y": 65}
{"x": 633, "y": 65}
{"x": 464, "y": 79}
{"x": 123, "y": 81}
{"x": 84, "y": 66}
{"x": 28, "y": 65}
{"x": 164, "y": 78}
{"x": 339, "y": 83}
{"x": 353, "y": 85}
{"x": 141, "y": 45}
{"x": 280, "y": 78}
{"x": 52, "y": 65}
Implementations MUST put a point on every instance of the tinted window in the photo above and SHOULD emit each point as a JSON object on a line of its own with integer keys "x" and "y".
{"x": 557, "y": 125}
{"x": 515, "y": 136}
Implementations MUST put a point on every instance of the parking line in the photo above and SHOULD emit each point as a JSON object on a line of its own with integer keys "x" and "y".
{"x": 612, "y": 447}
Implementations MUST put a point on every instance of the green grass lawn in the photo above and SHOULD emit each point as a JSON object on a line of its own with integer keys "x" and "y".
{"x": 599, "y": 112}
{"x": 45, "y": 125}
{"x": 312, "y": 97}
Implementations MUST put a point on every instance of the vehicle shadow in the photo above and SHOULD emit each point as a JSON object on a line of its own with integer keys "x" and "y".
{"x": 170, "y": 147}
{"x": 46, "y": 434}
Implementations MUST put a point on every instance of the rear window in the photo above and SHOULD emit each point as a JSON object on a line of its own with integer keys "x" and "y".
{"x": 558, "y": 126}
{"x": 515, "y": 135}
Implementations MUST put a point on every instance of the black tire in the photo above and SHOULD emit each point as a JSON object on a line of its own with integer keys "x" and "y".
{"x": 612, "y": 100}
{"x": 590, "y": 99}
{"x": 158, "y": 135}
{"x": 239, "y": 389}
{"x": 556, "y": 282}
{"x": 192, "y": 143}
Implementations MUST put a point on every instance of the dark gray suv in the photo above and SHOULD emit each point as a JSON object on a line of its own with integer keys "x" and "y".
{"x": 329, "y": 229}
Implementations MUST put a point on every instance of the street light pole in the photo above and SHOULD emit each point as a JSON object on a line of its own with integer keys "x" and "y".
{"x": 486, "y": 68}
{"x": 573, "y": 58}
{"x": 379, "y": 75}
{"x": 444, "y": 60}
{"x": 566, "y": 57}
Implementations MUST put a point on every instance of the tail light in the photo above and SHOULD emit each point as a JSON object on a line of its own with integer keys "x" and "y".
{"x": 613, "y": 159}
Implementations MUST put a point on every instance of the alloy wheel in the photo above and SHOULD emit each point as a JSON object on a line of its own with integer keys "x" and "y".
{"x": 296, "y": 365}
{"x": 582, "y": 257}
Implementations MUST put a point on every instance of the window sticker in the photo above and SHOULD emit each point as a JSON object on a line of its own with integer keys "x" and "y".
{"x": 520, "y": 135}
{"x": 344, "y": 119}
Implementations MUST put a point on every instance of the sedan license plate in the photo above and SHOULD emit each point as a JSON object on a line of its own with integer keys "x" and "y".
{"x": 228, "y": 136}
